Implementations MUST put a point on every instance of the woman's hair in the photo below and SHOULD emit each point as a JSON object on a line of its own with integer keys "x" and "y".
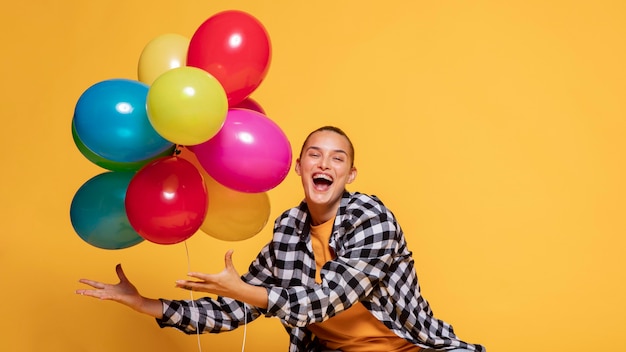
{"x": 337, "y": 130}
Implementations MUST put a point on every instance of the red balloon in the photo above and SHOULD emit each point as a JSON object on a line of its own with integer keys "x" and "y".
{"x": 235, "y": 48}
{"x": 166, "y": 201}
{"x": 250, "y": 104}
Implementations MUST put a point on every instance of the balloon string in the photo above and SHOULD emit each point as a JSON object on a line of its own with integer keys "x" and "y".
{"x": 193, "y": 303}
{"x": 245, "y": 327}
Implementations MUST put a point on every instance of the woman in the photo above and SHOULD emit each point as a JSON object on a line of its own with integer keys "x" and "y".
{"x": 337, "y": 272}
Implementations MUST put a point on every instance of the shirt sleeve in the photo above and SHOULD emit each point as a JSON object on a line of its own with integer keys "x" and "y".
{"x": 367, "y": 250}
{"x": 219, "y": 314}
{"x": 206, "y": 314}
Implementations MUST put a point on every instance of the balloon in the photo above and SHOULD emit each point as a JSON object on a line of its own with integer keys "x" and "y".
{"x": 234, "y": 47}
{"x": 187, "y": 105}
{"x": 161, "y": 54}
{"x": 249, "y": 154}
{"x": 166, "y": 201}
{"x": 232, "y": 215}
{"x": 250, "y": 104}
{"x": 110, "y": 164}
{"x": 98, "y": 214}
{"x": 111, "y": 120}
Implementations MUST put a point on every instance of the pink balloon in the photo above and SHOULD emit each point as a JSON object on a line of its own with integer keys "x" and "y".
{"x": 249, "y": 154}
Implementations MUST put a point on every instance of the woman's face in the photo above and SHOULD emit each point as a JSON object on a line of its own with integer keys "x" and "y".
{"x": 325, "y": 168}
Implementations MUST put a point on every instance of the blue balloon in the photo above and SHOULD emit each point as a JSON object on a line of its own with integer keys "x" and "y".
{"x": 112, "y": 121}
{"x": 98, "y": 213}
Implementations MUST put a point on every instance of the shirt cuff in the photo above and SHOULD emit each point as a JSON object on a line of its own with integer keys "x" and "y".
{"x": 172, "y": 315}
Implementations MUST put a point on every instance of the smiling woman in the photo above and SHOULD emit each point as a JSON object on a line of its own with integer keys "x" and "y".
{"x": 357, "y": 290}
{"x": 493, "y": 129}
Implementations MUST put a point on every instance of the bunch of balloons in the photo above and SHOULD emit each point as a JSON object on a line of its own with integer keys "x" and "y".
{"x": 184, "y": 145}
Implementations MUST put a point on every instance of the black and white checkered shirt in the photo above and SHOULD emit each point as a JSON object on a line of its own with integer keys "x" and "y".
{"x": 373, "y": 265}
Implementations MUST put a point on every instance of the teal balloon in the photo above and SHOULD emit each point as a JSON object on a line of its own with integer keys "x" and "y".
{"x": 111, "y": 119}
{"x": 114, "y": 165}
{"x": 98, "y": 213}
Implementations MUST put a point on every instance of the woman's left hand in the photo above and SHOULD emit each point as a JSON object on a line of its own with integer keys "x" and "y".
{"x": 227, "y": 283}
{"x": 224, "y": 283}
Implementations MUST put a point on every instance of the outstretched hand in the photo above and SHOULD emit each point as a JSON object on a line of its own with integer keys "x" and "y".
{"x": 227, "y": 283}
{"x": 123, "y": 292}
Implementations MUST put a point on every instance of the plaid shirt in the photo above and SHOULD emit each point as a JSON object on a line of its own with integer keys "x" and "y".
{"x": 373, "y": 265}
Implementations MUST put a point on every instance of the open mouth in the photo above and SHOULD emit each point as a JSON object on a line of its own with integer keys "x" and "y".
{"x": 322, "y": 181}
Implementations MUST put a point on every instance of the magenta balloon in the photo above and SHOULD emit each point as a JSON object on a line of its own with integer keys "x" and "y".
{"x": 249, "y": 154}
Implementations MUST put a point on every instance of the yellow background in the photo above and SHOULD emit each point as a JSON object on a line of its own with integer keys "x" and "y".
{"x": 494, "y": 130}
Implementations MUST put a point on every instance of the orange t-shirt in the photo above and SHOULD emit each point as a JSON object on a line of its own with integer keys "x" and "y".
{"x": 355, "y": 329}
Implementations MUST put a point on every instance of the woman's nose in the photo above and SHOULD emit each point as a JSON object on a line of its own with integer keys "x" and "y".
{"x": 324, "y": 162}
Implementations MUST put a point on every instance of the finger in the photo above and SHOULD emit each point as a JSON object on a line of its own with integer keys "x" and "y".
{"x": 228, "y": 259}
{"x": 92, "y": 293}
{"x": 120, "y": 273}
{"x": 200, "y": 276}
{"x": 185, "y": 285}
{"x": 94, "y": 284}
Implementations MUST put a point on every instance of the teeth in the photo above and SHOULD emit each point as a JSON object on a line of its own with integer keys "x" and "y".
{"x": 322, "y": 176}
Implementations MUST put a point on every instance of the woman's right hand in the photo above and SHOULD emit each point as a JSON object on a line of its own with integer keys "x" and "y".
{"x": 123, "y": 292}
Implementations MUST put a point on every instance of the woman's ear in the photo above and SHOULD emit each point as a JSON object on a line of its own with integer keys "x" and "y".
{"x": 297, "y": 167}
{"x": 352, "y": 175}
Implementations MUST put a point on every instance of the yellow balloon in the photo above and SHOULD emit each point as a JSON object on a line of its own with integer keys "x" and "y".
{"x": 161, "y": 54}
{"x": 186, "y": 105}
{"x": 232, "y": 215}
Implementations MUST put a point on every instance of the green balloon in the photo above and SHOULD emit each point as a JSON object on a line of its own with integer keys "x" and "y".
{"x": 115, "y": 165}
{"x": 98, "y": 212}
